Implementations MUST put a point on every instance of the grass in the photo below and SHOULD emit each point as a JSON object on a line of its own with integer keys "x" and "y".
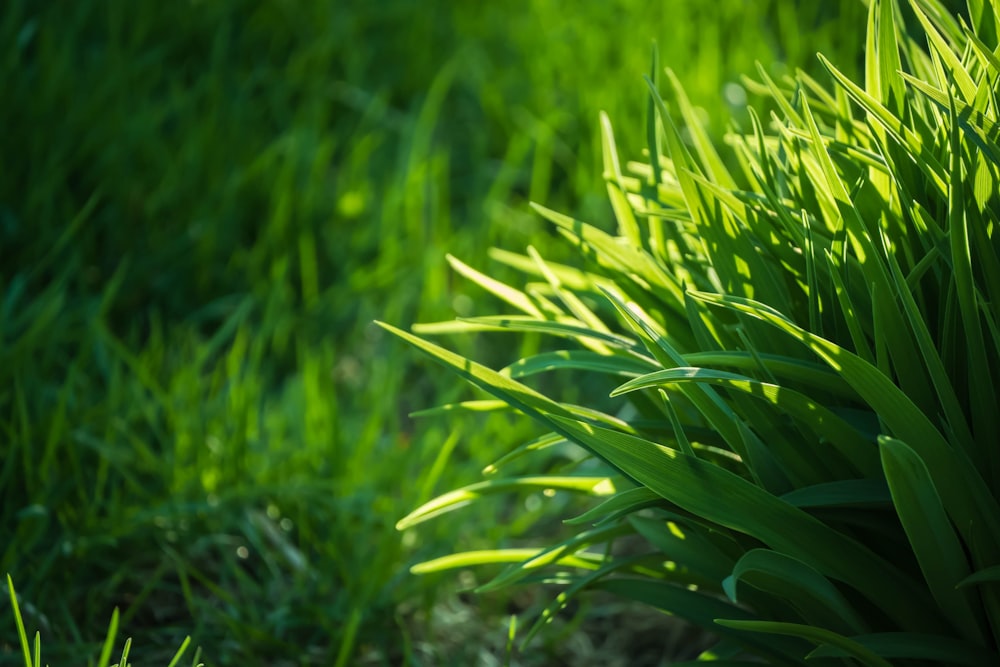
{"x": 203, "y": 207}
{"x": 787, "y": 439}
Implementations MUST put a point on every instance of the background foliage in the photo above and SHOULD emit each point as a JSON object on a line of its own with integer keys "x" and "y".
{"x": 203, "y": 205}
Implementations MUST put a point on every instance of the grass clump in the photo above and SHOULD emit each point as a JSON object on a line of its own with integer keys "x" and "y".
{"x": 799, "y": 331}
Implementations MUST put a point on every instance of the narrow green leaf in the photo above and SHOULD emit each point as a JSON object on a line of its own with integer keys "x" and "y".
{"x": 882, "y": 62}
{"x": 620, "y": 504}
{"x": 902, "y": 134}
{"x": 500, "y": 557}
{"x": 596, "y": 486}
{"x": 582, "y": 360}
{"x": 109, "y": 641}
{"x": 979, "y": 129}
{"x": 810, "y": 594}
{"x": 707, "y": 401}
{"x": 816, "y": 635}
{"x": 514, "y": 297}
{"x": 714, "y": 166}
{"x": 952, "y": 61}
{"x": 464, "y": 406}
{"x": 981, "y": 388}
{"x": 180, "y": 652}
{"x": 533, "y": 445}
{"x": 938, "y": 550}
{"x": 841, "y": 493}
{"x": 566, "y": 329}
{"x": 989, "y": 575}
{"x": 822, "y": 421}
{"x": 557, "y": 554}
{"x": 686, "y": 546}
{"x": 616, "y": 566}
{"x": 629, "y": 259}
{"x": 19, "y": 622}
{"x": 910, "y": 646}
{"x": 516, "y": 394}
{"x": 703, "y": 611}
{"x": 627, "y": 226}
{"x": 730, "y": 501}
{"x": 962, "y": 488}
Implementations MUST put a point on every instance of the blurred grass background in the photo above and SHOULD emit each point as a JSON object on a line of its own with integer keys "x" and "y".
{"x": 204, "y": 204}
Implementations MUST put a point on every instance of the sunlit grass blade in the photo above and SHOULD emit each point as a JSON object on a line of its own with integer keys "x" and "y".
{"x": 627, "y": 226}
{"x": 109, "y": 640}
{"x": 22, "y": 635}
{"x": 494, "y": 405}
{"x": 854, "y": 448}
{"x": 598, "y": 537}
{"x": 514, "y": 297}
{"x": 583, "y": 360}
{"x": 523, "y": 323}
{"x": 596, "y": 486}
{"x": 583, "y": 561}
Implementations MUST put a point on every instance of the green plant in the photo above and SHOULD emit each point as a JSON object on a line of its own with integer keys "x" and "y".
{"x": 32, "y": 652}
{"x": 809, "y": 327}
{"x": 203, "y": 206}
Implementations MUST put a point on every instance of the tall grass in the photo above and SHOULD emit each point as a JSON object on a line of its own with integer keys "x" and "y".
{"x": 799, "y": 446}
{"x": 202, "y": 207}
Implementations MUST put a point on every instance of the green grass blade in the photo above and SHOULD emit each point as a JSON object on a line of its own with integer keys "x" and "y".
{"x": 845, "y": 492}
{"x": 627, "y": 226}
{"x": 882, "y": 62}
{"x": 923, "y": 647}
{"x": 629, "y": 259}
{"x": 714, "y": 166}
{"x": 523, "y": 323}
{"x": 109, "y": 641}
{"x": 730, "y": 501}
{"x": 902, "y": 134}
{"x": 22, "y": 635}
{"x": 705, "y": 612}
{"x": 582, "y": 360}
{"x": 938, "y": 550}
{"x": 514, "y": 297}
{"x": 979, "y": 129}
{"x": 687, "y": 546}
{"x": 950, "y": 60}
{"x": 989, "y": 575}
{"x": 501, "y": 557}
{"x": 558, "y": 553}
{"x": 620, "y": 504}
{"x": 596, "y": 486}
{"x": 854, "y": 448}
{"x": 813, "y": 634}
{"x": 981, "y": 387}
{"x": 798, "y": 585}
{"x": 494, "y": 405}
{"x": 962, "y": 489}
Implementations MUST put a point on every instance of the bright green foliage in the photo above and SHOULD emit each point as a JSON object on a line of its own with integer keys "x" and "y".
{"x": 203, "y": 205}
{"x": 809, "y": 322}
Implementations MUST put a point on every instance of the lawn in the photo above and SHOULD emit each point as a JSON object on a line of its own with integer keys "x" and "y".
{"x": 203, "y": 207}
